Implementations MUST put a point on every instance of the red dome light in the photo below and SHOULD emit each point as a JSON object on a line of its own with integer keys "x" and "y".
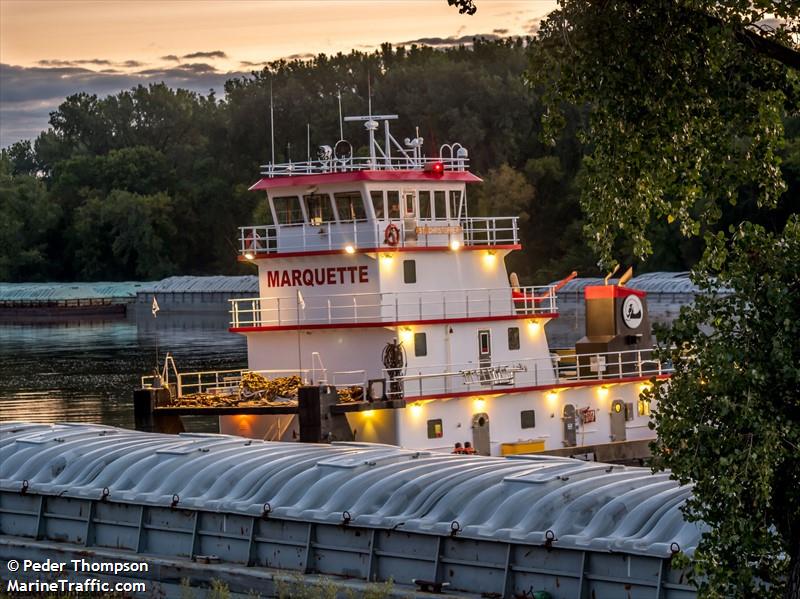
{"x": 437, "y": 168}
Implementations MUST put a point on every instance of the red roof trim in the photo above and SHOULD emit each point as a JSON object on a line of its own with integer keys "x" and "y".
{"x": 397, "y": 323}
{"x": 382, "y": 249}
{"x": 269, "y": 183}
{"x": 571, "y": 385}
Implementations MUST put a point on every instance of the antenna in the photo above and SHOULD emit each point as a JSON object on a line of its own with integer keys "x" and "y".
{"x": 308, "y": 142}
{"x": 369, "y": 96}
{"x": 271, "y": 123}
{"x": 341, "y": 126}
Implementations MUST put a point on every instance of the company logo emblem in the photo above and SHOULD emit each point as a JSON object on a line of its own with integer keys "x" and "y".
{"x": 632, "y": 312}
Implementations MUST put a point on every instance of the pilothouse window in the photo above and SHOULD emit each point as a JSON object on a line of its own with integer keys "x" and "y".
{"x": 287, "y": 210}
{"x": 440, "y": 205}
{"x": 393, "y": 200}
{"x": 349, "y": 206}
{"x": 318, "y": 207}
{"x": 456, "y": 204}
{"x": 377, "y": 204}
{"x": 425, "y": 212}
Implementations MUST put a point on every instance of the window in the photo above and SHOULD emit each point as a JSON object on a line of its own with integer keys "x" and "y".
{"x": 425, "y": 205}
{"x": 455, "y": 204}
{"x": 377, "y": 204}
{"x": 435, "y": 430}
{"x": 644, "y": 407}
{"x": 484, "y": 343}
{"x": 393, "y": 200}
{"x": 409, "y": 205}
{"x": 513, "y": 338}
{"x": 440, "y": 205}
{"x": 318, "y": 207}
{"x": 349, "y": 206}
{"x": 409, "y": 271}
{"x": 420, "y": 344}
{"x": 287, "y": 209}
{"x": 527, "y": 418}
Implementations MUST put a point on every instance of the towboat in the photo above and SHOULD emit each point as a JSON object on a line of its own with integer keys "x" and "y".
{"x": 386, "y": 314}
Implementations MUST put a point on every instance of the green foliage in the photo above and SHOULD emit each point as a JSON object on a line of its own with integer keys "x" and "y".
{"x": 125, "y": 234}
{"x": 683, "y": 118}
{"x": 29, "y": 219}
{"x": 684, "y": 134}
{"x": 729, "y": 420}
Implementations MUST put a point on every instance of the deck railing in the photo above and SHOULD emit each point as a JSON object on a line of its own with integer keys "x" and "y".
{"x": 349, "y": 164}
{"x": 500, "y": 377}
{"x": 393, "y": 307}
{"x": 470, "y": 377}
{"x": 225, "y": 382}
{"x": 362, "y": 234}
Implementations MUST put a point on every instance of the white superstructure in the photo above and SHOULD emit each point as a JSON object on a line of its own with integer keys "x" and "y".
{"x": 365, "y": 252}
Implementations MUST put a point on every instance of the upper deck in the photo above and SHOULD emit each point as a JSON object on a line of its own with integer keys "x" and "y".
{"x": 384, "y": 201}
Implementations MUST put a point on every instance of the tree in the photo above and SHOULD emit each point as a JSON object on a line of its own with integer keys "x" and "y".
{"x": 685, "y": 104}
{"x": 729, "y": 420}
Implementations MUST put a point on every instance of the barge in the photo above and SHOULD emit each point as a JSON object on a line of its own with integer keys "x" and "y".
{"x": 255, "y": 514}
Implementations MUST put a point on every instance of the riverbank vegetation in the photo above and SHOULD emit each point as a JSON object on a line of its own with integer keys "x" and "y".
{"x": 152, "y": 181}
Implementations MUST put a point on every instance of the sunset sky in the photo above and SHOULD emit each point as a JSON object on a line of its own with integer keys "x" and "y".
{"x": 50, "y": 49}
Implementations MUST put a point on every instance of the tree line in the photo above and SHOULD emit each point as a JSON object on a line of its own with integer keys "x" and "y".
{"x": 152, "y": 181}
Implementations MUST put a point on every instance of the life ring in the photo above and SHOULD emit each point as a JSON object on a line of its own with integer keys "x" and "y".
{"x": 391, "y": 235}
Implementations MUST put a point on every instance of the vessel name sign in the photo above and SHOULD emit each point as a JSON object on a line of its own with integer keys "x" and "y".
{"x": 309, "y": 277}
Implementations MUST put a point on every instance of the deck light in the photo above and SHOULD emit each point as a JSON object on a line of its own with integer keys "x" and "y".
{"x": 490, "y": 258}
{"x": 416, "y": 408}
{"x": 368, "y": 413}
{"x": 602, "y": 392}
{"x": 455, "y": 245}
{"x": 406, "y": 335}
{"x": 479, "y": 404}
{"x": 552, "y": 396}
{"x": 437, "y": 168}
{"x": 644, "y": 387}
{"x": 349, "y": 249}
{"x": 533, "y": 326}
{"x": 249, "y": 255}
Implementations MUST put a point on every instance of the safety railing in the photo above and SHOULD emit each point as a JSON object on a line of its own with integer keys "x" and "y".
{"x": 393, "y": 307}
{"x": 349, "y": 164}
{"x": 384, "y": 235}
{"x": 225, "y": 382}
{"x": 504, "y": 377}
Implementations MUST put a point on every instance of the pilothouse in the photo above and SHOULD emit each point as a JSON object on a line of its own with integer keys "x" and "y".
{"x": 391, "y": 305}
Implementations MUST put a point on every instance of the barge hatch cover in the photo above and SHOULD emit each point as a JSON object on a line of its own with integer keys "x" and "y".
{"x": 488, "y": 525}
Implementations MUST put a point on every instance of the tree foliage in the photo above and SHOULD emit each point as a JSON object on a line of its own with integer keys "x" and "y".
{"x": 686, "y": 104}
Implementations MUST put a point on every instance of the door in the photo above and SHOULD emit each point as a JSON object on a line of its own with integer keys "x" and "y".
{"x": 409, "y": 216}
{"x": 617, "y": 420}
{"x": 485, "y": 355}
{"x": 568, "y": 421}
{"x": 480, "y": 433}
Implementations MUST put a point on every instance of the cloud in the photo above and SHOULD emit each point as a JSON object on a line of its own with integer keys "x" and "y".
{"x": 100, "y": 62}
{"x": 500, "y": 31}
{"x": 29, "y": 94}
{"x": 465, "y": 40}
{"x": 247, "y": 63}
{"x": 211, "y": 54}
{"x": 171, "y": 57}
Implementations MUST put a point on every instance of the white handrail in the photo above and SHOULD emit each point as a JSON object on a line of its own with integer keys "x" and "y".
{"x": 362, "y": 234}
{"x": 392, "y": 307}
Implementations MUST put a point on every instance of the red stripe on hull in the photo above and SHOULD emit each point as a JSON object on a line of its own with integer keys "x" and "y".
{"x": 570, "y": 385}
{"x": 398, "y": 323}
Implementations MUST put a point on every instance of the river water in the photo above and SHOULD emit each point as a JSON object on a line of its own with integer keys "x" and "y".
{"x": 87, "y": 371}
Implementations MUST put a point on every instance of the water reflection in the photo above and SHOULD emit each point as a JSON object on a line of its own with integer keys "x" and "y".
{"x": 86, "y": 371}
